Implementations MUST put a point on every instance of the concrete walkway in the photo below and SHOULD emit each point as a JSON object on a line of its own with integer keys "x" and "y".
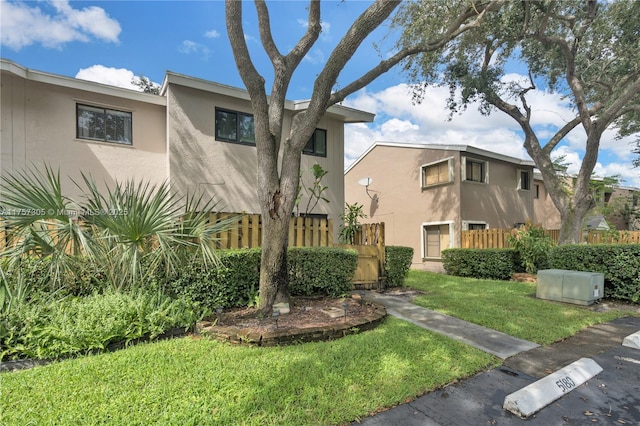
{"x": 491, "y": 341}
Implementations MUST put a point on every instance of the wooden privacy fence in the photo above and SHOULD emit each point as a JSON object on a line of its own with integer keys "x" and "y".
{"x": 499, "y": 238}
{"x": 247, "y": 231}
{"x": 369, "y": 243}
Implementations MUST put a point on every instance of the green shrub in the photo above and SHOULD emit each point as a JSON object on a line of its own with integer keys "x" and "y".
{"x": 532, "y": 246}
{"x": 496, "y": 264}
{"x": 232, "y": 285}
{"x": 620, "y": 265}
{"x": 78, "y": 325}
{"x": 80, "y": 276}
{"x": 324, "y": 270}
{"x": 397, "y": 264}
{"x": 312, "y": 270}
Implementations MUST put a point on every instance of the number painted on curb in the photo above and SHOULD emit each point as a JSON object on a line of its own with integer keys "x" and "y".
{"x": 565, "y": 384}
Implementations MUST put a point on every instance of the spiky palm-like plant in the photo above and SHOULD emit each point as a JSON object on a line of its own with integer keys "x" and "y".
{"x": 133, "y": 231}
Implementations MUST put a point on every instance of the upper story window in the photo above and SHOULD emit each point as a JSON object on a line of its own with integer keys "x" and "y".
{"x": 536, "y": 193}
{"x": 104, "y": 124}
{"x": 234, "y": 126}
{"x": 524, "y": 180}
{"x": 317, "y": 144}
{"x": 475, "y": 170}
{"x": 437, "y": 173}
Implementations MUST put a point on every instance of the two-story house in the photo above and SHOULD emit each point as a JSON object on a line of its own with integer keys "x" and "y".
{"x": 197, "y": 135}
{"x": 427, "y": 194}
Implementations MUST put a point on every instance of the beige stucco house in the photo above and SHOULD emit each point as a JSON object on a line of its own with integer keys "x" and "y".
{"x": 427, "y": 194}
{"x": 197, "y": 135}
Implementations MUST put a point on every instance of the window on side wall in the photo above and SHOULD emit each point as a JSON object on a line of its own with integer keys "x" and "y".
{"x": 536, "y": 193}
{"x": 475, "y": 170}
{"x": 317, "y": 144}
{"x": 435, "y": 238}
{"x": 476, "y": 226}
{"x": 235, "y": 126}
{"x": 524, "y": 180}
{"x": 437, "y": 173}
{"x": 104, "y": 124}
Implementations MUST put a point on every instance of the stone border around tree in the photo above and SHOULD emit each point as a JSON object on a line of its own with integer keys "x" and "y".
{"x": 247, "y": 336}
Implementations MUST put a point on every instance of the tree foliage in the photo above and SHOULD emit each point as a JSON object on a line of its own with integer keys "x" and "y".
{"x": 146, "y": 85}
{"x": 587, "y": 51}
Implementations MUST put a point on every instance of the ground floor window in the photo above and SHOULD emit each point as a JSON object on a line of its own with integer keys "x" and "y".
{"x": 435, "y": 238}
{"x": 477, "y": 226}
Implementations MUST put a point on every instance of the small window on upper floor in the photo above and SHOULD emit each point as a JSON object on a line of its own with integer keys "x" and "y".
{"x": 317, "y": 144}
{"x": 234, "y": 126}
{"x": 524, "y": 180}
{"x": 536, "y": 193}
{"x": 475, "y": 170}
{"x": 103, "y": 124}
{"x": 437, "y": 173}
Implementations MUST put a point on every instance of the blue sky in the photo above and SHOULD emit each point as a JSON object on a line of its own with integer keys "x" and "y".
{"x": 111, "y": 41}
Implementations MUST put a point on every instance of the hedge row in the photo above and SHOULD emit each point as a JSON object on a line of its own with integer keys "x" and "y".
{"x": 494, "y": 264}
{"x": 620, "y": 265}
{"x": 312, "y": 270}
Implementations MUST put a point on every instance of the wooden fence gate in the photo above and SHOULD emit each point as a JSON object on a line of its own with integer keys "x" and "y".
{"x": 369, "y": 243}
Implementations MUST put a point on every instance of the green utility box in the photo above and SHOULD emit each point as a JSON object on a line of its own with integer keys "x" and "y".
{"x": 581, "y": 288}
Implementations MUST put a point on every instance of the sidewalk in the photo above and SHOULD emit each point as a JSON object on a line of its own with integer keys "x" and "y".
{"x": 611, "y": 397}
{"x": 494, "y": 342}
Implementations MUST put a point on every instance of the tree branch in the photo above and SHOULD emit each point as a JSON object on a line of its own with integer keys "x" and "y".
{"x": 455, "y": 29}
{"x": 252, "y": 80}
{"x": 264, "y": 25}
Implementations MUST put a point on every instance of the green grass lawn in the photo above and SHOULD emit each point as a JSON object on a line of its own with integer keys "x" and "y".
{"x": 202, "y": 382}
{"x": 510, "y": 307}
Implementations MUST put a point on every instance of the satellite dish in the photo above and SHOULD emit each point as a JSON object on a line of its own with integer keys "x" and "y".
{"x": 365, "y": 181}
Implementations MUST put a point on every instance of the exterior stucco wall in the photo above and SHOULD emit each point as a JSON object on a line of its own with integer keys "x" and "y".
{"x": 498, "y": 203}
{"x": 227, "y": 172}
{"x": 545, "y": 212}
{"x": 401, "y": 202}
{"x": 405, "y": 207}
{"x": 39, "y": 127}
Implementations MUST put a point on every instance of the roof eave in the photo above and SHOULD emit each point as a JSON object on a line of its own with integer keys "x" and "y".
{"x": 78, "y": 84}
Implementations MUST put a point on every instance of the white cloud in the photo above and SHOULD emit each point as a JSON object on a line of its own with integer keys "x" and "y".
{"x": 315, "y": 56}
{"x": 212, "y": 34}
{"x": 53, "y": 25}
{"x": 188, "y": 47}
{"x": 119, "y": 77}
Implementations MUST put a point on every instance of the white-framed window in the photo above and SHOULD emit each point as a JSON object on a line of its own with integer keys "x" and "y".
{"x": 524, "y": 180}
{"x": 436, "y": 173}
{"x": 435, "y": 237}
{"x": 474, "y": 225}
{"x": 103, "y": 124}
{"x": 474, "y": 170}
